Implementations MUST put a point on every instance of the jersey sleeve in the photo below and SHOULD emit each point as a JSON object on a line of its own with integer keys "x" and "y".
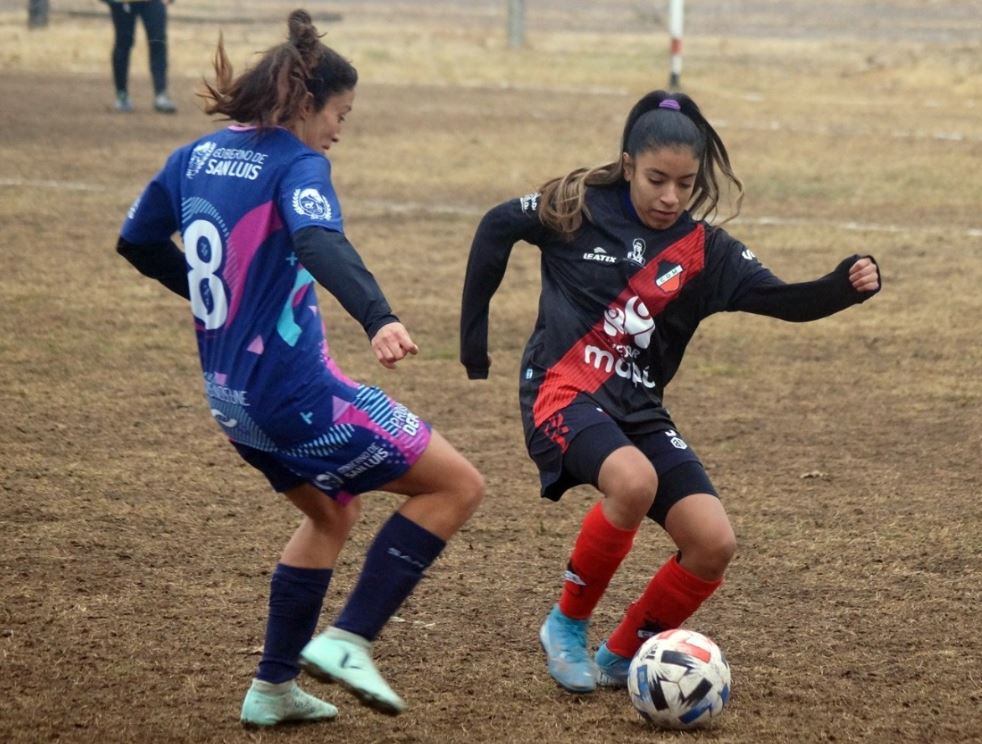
{"x": 337, "y": 267}
{"x": 738, "y": 282}
{"x": 307, "y": 197}
{"x": 731, "y": 271}
{"x": 497, "y": 233}
{"x": 153, "y": 217}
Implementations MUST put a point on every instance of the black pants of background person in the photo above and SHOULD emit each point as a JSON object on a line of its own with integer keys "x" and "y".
{"x": 153, "y": 13}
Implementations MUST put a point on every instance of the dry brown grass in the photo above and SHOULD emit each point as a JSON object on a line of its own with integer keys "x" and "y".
{"x": 136, "y": 549}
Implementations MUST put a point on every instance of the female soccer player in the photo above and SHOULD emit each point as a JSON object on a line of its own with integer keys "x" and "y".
{"x": 628, "y": 272}
{"x": 260, "y": 222}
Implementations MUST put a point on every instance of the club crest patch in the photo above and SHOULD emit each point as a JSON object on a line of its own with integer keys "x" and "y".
{"x": 312, "y": 203}
{"x": 669, "y": 277}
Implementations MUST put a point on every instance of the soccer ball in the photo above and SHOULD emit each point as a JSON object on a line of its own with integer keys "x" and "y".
{"x": 679, "y": 679}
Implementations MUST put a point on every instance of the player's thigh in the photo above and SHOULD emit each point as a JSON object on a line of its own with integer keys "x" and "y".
{"x": 321, "y": 508}
{"x": 441, "y": 468}
{"x": 627, "y": 470}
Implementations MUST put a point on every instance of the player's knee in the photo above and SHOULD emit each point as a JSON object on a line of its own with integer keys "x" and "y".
{"x": 713, "y": 552}
{"x": 723, "y": 550}
{"x": 633, "y": 494}
{"x": 336, "y": 519}
{"x": 350, "y": 513}
{"x": 470, "y": 489}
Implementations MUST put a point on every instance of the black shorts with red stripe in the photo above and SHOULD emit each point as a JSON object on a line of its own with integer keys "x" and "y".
{"x": 571, "y": 446}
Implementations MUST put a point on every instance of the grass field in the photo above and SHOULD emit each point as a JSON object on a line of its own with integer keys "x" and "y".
{"x": 136, "y": 548}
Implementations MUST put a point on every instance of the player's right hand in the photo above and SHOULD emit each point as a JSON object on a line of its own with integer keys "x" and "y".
{"x": 392, "y": 343}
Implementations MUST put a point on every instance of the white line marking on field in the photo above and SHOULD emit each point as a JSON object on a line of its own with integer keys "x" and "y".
{"x": 851, "y": 226}
{"x": 458, "y": 210}
{"x": 58, "y": 185}
{"x": 593, "y": 90}
{"x": 463, "y": 210}
{"x": 831, "y": 131}
{"x": 422, "y": 209}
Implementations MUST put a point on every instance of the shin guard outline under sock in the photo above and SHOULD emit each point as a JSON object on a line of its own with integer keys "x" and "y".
{"x": 599, "y": 550}
{"x": 671, "y": 597}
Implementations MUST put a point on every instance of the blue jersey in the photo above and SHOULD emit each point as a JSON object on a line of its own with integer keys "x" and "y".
{"x": 236, "y": 197}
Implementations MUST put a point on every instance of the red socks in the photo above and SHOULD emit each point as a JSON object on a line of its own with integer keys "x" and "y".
{"x": 600, "y": 547}
{"x": 671, "y": 596}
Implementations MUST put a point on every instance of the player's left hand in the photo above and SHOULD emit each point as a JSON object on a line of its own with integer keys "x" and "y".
{"x": 864, "y": 275}
{"x": 391, "y": 343}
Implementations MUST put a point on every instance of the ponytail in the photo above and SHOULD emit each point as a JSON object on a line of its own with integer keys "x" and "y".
{"x": 290, "y": 75}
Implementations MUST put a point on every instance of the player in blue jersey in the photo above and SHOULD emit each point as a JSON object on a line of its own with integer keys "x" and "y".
{"x": 627, "y": 275}
{"x": 260, "y": 223}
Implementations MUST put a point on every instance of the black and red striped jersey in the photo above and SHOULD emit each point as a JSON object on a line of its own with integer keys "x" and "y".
{"x": 620, "y": 302}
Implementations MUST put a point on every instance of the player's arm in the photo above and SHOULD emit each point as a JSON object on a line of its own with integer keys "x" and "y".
{"x": 335, "y": 265}
{"x": 161, "y": 261}
{"x": 145, "y": 237}
{"x": 497, "y": 233}
{"x": 853, "y": 281}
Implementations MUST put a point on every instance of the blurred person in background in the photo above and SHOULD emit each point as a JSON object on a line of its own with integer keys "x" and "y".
{"x": 629, "y": 269}
{"x": 153, "y": 13}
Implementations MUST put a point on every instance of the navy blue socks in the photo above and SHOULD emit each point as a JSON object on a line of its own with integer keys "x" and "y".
{"x": 295, "y": 599}
{"x": 394, "y": 564}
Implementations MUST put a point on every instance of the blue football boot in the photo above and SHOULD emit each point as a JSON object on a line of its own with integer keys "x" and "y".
{"x": 564, "y": 641}
{"x": 612, "y": 669}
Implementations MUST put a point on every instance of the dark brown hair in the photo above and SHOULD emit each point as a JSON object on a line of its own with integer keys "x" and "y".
{"x": 649, "y": 127}
{"x": 273, "y": 92}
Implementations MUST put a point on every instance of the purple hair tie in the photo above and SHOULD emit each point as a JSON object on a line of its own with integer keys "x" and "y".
{"x": 670, "y": 103}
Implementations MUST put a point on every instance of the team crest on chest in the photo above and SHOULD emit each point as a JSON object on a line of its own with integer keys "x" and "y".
{"x": 636, "y": 253}
{"x": 669, "y": 277}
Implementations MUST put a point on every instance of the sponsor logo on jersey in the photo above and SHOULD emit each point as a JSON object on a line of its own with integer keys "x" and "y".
{"x": 312, "y": 203}
{"x": 669, "y": 277}
{"x": 199, "y": 156}
{"x": 749, "y": 255}
{"x": 636, "y": 253}
{"x": 632, "y": 320}
{"x": 630, "y": 329}
{"x": 624, "y": 367}
{"x": 600, "y": 256}
{"x": 530, "y": 202}
{"x": 676, "y": 441}
{"x": 225, "y": 161}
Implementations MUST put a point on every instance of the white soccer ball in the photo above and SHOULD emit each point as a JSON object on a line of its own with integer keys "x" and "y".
{"x": 679, "y": 679}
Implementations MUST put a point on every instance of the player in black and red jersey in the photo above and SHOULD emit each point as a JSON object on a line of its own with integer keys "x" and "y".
{"x": 629, "y": 269}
